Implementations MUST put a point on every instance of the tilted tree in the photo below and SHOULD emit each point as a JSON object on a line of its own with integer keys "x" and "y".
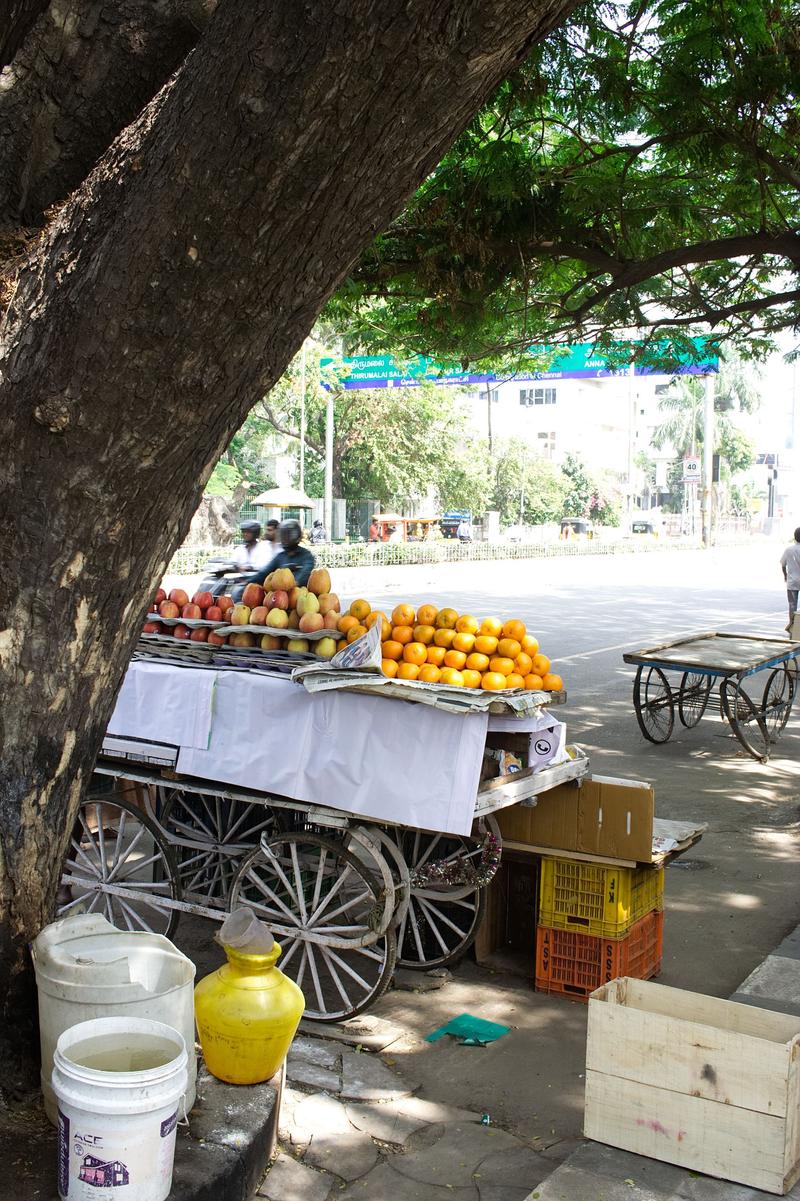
{"x": 168, "y": 292}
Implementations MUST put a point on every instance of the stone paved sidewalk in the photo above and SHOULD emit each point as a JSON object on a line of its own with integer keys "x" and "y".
{"x": 351, "y": 1128}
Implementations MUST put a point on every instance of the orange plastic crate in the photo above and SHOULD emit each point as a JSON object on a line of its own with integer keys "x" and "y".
{"x": 576, "y": 964}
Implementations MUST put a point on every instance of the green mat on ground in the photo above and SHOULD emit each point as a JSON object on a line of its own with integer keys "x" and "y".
{"x": 474, "y": 1031}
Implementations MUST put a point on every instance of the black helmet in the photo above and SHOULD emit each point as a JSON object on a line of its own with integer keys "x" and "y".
{"x": 253, "y": 526}
{"x": 290, "y": 533}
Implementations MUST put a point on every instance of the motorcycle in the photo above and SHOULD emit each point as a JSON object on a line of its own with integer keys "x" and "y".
{"x": 221, "y": 576}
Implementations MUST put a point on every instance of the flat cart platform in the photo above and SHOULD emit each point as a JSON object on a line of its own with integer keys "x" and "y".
{"x": 756, "y": 716}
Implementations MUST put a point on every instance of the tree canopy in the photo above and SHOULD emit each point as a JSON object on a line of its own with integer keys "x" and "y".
{"x": 639, "y": 170}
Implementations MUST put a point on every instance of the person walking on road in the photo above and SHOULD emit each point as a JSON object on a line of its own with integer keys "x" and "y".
{"x": 790, "y": 563}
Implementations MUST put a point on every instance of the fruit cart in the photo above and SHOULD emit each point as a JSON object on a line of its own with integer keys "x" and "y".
{"x": 757, "y": 717}
{"x": 349, "y": 890}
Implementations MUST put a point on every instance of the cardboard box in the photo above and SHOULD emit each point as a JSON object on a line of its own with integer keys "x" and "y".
{"x": 696, "y": 1081}
{"x": 601, "y": 816}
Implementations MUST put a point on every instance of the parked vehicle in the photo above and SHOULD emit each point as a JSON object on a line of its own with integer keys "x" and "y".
{"x": 576, "y": 528}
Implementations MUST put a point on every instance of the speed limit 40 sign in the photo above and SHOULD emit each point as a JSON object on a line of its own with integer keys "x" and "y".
{"x": 691, "y": 470}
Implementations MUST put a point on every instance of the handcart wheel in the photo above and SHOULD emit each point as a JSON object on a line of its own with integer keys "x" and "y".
{"x": 777, "y": 703}
{"x": 693, "y": 695}
{"x": 442, "y": 920}
{"x": 652, "y": 700}
{"x": 324, "y": 907}
{"x": 118, "y": 864}
{"x": 209, "y": 835}
{"x": 746, "y": 720}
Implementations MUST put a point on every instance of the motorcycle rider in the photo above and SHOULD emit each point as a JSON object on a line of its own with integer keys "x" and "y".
{"x": 297, "y": 558}
{"x": 252, "y": 554}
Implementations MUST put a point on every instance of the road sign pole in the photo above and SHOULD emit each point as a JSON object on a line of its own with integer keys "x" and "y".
{"x": 708, "y": 459}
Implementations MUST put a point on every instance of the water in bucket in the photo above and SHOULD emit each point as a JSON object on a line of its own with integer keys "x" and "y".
{"x": 120, "y": 1087}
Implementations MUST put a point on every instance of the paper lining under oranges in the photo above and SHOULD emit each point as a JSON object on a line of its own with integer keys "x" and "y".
{"x": 441, "y": 646}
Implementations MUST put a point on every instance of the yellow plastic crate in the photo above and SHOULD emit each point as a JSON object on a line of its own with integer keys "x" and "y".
{"x": 596, "y": 899}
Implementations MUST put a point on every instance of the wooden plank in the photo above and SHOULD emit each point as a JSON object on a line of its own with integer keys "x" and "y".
{"x": 791, "y": 1161}
{"x": 529, "y": 849}
{"x": 708, "y": 1011}
{"x": 726, "y": 654}
{"x": 687, "y": 1057}
{"x": 692, "y": 1132}
{"x": 509, "y": 790}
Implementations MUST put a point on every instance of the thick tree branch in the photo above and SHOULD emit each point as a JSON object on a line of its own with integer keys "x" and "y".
{"x": 286, "y": 430}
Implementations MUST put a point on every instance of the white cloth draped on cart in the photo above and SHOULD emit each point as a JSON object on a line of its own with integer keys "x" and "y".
{"x": 165, "y": 704}
{"x": 389, "y": 760}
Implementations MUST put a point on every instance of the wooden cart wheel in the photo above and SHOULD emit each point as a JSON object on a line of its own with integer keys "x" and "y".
{"x": 209, "y": 836}
{"x": 693, "y": 695}
{"x": 120, "y": 865}
{"x": 323, "y": 905}
{"x": 746, "y": 720}
{"x": 442, "y": 921}
{"x": 652, "y": 700}
{"x": 777, "y": 701}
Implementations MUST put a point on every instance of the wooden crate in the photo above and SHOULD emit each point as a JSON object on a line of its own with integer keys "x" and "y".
{"x": 707, "y": 1084}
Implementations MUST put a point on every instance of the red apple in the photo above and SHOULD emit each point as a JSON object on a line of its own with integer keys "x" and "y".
{"x": 310, "y": 622}
{"x": 214, "y": 639}
{"x": 179, "y": 597}
{"x": 214, "y": 613}
{"x": 280, "y": 599}
{"x": 200, "y": 634}
{"x": 193, "y": 612}
{"x": 253, "y": 596}
{"x": 160, "y": 596}
{"x": 169, "y": 609}
{"x": 181, "y": 632}
{"x": 243, "y": 639}
{"x": 151, "y": 627}
{"x": 331, "y": 620}
{"x": 258, "y": 616}
{"x": 225, "y": 603}
{"x": 204, "y": 599}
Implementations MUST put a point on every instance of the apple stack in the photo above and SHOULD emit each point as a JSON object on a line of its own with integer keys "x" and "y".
{"x": 277, "y": 616}
{"x": 178, "y": 617}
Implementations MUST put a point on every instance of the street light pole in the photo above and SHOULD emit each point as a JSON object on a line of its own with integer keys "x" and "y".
{"x": 303, "y": 419}
{"x": 329, "y": 464}
{"x": 708, "y": 458}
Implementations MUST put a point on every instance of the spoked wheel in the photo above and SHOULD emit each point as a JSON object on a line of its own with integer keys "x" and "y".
{"x": 119, "y": 864}
{"x": 652, "y": 700}
{"x": 746, "y": 720}
{"x": 777, "y": 703}
{"x": 693, "y": 697}
{"x": 210, "y": 835}
{"x": 442, "y": 920}
{"x": 324, "y": 907}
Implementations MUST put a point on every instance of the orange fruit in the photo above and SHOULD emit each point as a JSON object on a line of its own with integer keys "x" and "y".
{"x": 444, "y": 637}
{"x": 407, "y": 671}
{"x": 534, "y": 683}
{"x": 389, "y": 668}
{"x": 467, "y": 624}
{"x": 464, "y": 642}
{"x": 514, "y": 629}
{"x": 530, "y": 645}
{"x": 492, "y": 681}
{"x": 508, "y": 647}
{"x": 386, "y": 629}
{"x": 472, "y": 679}
{"x": 485, "y": 644}
{"x": 356, "y": 631}
{"x": 502, "y": 665}
{"x": 478, "y": 662}
{"x": 360, "y": 609}
{"x": 426, "y": 615}
{"x": 455, "y": 659}
{"x": 492, "y": 626}
{"x": 541, "y": 664}
{"x": 346, "y": 623}
{"x": 451, "y": 676}
{"x": 523, "y": 663}
{"x": 424, "y": 634}
{"x": 515, "y": 680}
{"x": 403, "y": 634}
{"x": 429, "y": 674}
{"x": 552, "y": 682}
{"x": 403, "y": 615}
{"x": 392, "y": 650}
{"x": 446, "y": 619}
{"x": 415, "y": 652}
{"x": 436, "y": 655}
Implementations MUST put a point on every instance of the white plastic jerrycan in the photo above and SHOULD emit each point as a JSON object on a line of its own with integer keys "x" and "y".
{"x": 86, "y": 968}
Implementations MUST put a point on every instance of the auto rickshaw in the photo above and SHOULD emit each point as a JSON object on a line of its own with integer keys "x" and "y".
{"x": 576, "y": 529}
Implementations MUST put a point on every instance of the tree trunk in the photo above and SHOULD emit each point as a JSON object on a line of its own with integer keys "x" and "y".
{"x": 174, "y": 287}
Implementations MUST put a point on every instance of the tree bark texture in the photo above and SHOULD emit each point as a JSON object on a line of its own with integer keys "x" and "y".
{"x": 15, "y": 22}
{"x": 83, "y": 74}
{"x": 172, "y": 289}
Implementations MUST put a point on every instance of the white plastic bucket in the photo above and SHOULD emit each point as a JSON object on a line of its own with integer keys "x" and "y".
{"x": 86, "y": 968}
{"x": 120, "y": 1085}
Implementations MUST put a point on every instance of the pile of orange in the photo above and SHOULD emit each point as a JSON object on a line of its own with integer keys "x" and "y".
{"x": 441, "y": 646}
